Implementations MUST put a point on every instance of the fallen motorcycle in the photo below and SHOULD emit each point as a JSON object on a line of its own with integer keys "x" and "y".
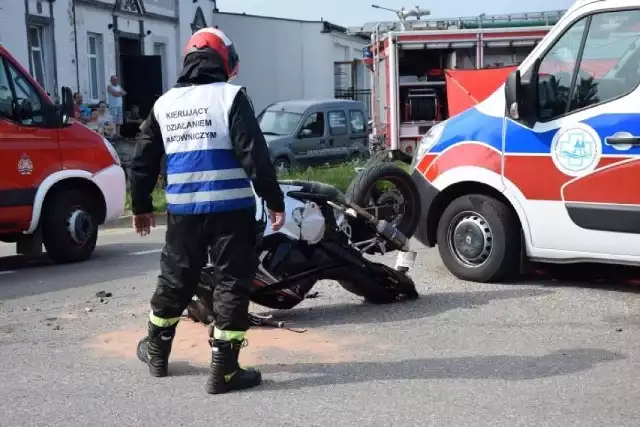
{"x": 315, "y": 244}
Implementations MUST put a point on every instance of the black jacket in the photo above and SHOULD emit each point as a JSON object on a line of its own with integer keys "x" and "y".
{"x": 248, "y": 142}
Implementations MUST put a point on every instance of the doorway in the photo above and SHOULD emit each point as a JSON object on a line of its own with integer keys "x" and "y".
{"x": 141, "y": 75}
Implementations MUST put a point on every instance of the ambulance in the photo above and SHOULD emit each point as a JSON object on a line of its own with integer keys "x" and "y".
{"x": 547, "y": 168}
{"x": 59, "y": 180}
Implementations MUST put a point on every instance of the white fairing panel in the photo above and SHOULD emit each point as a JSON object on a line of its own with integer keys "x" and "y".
{"x": 303, "y": 221}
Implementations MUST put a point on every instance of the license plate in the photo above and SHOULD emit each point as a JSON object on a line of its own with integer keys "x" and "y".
{"x": 406, "y": 260}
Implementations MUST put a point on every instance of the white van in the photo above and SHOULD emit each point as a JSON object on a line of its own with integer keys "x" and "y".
{"x": 548, "y": 167}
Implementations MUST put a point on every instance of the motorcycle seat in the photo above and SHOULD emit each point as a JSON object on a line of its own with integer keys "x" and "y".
{"x": 314, "y": 191}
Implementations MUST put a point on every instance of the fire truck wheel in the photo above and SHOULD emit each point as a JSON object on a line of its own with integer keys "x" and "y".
{"x": 69, "y": 226}
{"x": 479, "y": 239}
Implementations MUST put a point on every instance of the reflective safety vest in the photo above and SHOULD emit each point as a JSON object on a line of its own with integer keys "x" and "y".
{"x": 203, "y": 173}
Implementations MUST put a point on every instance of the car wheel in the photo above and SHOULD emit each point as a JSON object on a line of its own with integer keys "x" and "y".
{"x": 479, "y": 239}
{"x": 282, "y": 165}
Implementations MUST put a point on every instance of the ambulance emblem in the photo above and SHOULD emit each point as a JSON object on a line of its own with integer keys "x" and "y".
{"x": 576, "y": 150}
{"x": 25, "y": 165}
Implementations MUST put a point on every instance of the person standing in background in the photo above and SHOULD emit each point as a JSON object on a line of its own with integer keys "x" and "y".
{"x": 115, "y": 93}
{"x": 80, "y": 111}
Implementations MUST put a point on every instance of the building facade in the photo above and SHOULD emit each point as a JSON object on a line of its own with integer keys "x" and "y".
{"x": 283, "y": 59}
{"x": 81, "y": 43}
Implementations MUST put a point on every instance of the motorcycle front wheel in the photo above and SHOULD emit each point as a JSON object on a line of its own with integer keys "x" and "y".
{"x": 387, "y": 192}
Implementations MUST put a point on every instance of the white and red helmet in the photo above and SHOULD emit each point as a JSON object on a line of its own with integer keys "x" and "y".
{"x": 213, "y": 39}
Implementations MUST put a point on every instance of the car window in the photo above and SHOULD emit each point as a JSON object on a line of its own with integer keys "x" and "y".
{"x": 24, "y": 90}
{"x": 315, "y": 124}
{"x": 278, "y": 122}
{"x": 609, "y": 66}
{"x": 337, "y": 123}
{"x": 6, "y": 96}
{"x": 358, "y": 124}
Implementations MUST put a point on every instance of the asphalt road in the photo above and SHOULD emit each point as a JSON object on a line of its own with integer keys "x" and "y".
{"x": 537, "y": 353}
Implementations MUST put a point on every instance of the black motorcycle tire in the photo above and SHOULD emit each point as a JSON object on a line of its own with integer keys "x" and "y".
{"x": 360, "y": 187}
{"x": 372, "y": 291}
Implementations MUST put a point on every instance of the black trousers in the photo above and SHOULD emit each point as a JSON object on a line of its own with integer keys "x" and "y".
{"x": 232, "y": 238}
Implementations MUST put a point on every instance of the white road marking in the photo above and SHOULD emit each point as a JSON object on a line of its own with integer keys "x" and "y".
{"x": 128, "y": 230}
{"x": 2, "y": 273}
{"x": 147, "y": 252}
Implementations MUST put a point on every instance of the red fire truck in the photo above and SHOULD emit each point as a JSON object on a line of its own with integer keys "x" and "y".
{"x": 424, "y": 71}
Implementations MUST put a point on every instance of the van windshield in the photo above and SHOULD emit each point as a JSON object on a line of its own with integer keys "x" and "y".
{"x": 279, "y": 122}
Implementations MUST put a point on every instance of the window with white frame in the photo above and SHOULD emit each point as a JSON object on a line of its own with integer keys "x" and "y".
{"x": 35, "y": 38}
{"x": 95, "y": 66}
{"x": 160, "y": 49}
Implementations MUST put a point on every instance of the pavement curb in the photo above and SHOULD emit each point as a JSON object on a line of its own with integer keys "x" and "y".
{"x": 125, "y": 221}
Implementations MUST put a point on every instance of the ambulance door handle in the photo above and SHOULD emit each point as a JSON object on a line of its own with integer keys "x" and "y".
{"x": 622, "y": 140}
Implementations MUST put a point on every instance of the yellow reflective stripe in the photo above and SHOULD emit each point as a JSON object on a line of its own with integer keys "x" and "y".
{"x": 163, "y": 323}
{"x": 228, "y": 335}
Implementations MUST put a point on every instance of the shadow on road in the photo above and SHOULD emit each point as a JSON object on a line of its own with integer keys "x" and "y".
{"x": 510, "y": 368}
{"x": 425, "y": 306}
{"x": 608, "y": 277}
{"x": 109, "y": 262}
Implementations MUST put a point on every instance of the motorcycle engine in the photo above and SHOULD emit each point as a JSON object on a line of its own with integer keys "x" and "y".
{"x": 289, "y": 258}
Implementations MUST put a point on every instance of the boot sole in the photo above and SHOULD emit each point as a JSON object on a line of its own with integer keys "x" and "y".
{"x": 224, "y": 387}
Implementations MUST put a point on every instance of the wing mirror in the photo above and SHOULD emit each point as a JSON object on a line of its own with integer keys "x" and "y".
{"x": 66, "y": 112}
{"x": 24, "y": 109}
{"x": 304, "y": 133}
{"x": 521, "y": 97}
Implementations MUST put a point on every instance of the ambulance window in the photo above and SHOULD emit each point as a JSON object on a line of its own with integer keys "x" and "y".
{"x": 6, "y": 97}
{"x": 609, "y": 67}
{"x": 556, "y": 69}
{"x": 24, "y": 90}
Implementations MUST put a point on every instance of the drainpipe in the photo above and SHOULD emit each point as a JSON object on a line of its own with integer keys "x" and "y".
{"x": 75, "y": 42}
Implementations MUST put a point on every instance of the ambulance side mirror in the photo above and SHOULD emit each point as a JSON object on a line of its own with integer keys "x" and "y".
{"x": 513, "y": 92}
{"x": 521, "y": 97}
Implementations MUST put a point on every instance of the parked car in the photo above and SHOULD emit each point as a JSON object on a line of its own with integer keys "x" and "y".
{"x": 315, "y": 132}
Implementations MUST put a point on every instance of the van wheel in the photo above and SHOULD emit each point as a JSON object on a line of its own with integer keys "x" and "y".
{"x": 479, "y": 239}
{"x": 282, "y": 165}
{"x": 69, "y": 227}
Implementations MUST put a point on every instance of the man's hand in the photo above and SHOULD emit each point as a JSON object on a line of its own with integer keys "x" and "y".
{"x": 142, "y": 223}
{"x": 276, "y": 219}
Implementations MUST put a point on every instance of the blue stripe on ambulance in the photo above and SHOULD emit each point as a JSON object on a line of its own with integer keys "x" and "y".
{"x": 473, "y": 125}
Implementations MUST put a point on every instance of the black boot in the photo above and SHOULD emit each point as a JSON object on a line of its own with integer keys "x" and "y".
{"x": 154, "y": 349}
{"x": 225, "y": 373}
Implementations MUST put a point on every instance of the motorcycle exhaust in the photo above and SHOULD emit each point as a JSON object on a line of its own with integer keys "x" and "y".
{"x": 384, "y": 228}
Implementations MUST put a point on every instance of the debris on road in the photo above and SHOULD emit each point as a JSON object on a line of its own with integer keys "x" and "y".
{"x": 88, "y": 309}
{"x": 104, "y": 294}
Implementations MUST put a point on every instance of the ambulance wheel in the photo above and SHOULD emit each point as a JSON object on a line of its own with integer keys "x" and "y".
{"x": 69, "y": 226}
{"x": 479, "y": 239}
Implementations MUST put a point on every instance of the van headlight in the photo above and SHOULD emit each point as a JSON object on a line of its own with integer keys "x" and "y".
{"x": 112, "y": 151}
{"x": 427, "y": 142}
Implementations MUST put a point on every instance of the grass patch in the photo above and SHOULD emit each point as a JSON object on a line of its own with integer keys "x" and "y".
{"x": 159, "y": 201}
{"x": 338, "y": 176}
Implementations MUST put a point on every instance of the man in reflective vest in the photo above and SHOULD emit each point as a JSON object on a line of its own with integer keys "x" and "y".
{"x": 214, "y": 151}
